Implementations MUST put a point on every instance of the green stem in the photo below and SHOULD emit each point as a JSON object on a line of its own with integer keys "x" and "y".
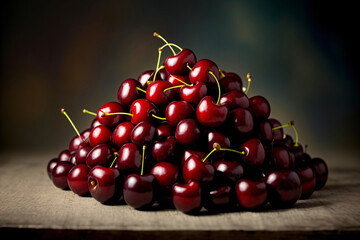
{"x": 117, "y": 113}
{"x": 218, "y": 84}
{"x": 169, "y": 88}
{"x": 141, "y": 90}
{"x": 72, "y": 124}
{"x": 116, "y": 157}
{"x": 160, "y": 118}
{"x": 159, "y": 36}
{"x": 157, "y": 72}
{"x": 88, "y": 112}
{"x": 249, "y": 81}
{"x": 171, "y": 44}
{"x": 143, "y": 160}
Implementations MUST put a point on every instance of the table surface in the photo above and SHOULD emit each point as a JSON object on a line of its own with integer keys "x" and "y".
{"x": 31, "y": 204}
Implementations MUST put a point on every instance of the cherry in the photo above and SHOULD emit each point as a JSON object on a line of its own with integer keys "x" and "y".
{"x": 72, "y": 159}
{"x": 144, "y": 78}
{"x": 321, "y": 171}
{"x": 195, "y": 168}
{"x": 232, "y": 75}
{"x": 193, "y": 93}
{"x": 64, "y": 156}
{"x": 110, "y": 120}
{"x": 231, "y": 169}
{"x": 101, "y": 154}
{"x": 165, "y": 173}
{"x": 229, "y": 84}
{"x": 210, "y": 114}
{"x": 217, "y": 137}
{"x": 284, "y": 188}
{"x": 142, "y": 110}
{"x": 100, "y": 134}
{"x": 161, "y": 74}
{"x": 219, "y": 199}
{"x": 164, "y": 130}
{"x": 242, "y": 120}
{"x": 177, "y": 80}
{"x": 82, "y": 153}
{"x": 259, "y": 107}
{"x": 78, "y": 179}
{"x": 278, "y": 133}
{"x": 264, "y": 131}
{"x": 177, "y": 111}
{"x": 234, "y": 99}
{"x": 129, "y": 160}
{"x": 52, "y": 163}
{"x": 94, "y": 123}
{"x": 78, "y": 141}
{"x": 187, "y": 197}
{"x": 200, "y": 72}
{"x": 143, "y": 133}
{"x": 59, "y": 174}
{"x": 280, "y": 158}
{"x": 187, "y": 153}
{"x": 178, "y": 64}
{"x": 254, "y": 152}
{"x": 122, "y": 133}
{"x": 308, "y": 181}
{"x": 187, "y": 132}
{"x": 105, "y": 184}
{"x": 129, "y": 91}
{"x": 139, "y": 190}
{"x": 160, "y": 93}
{"x": 164, "y": 149}
{"x": 250, "y": 194}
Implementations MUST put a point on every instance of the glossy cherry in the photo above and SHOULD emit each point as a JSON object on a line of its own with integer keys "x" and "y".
{"x": 165, "y": 173}
{"x": 51, "y": 164}
{"x": 178, "y": 64}
{"x": 156, "y": 94}
{"x": 264, "y": 131}
{"x": 78, "y": 179}
{"x": 187, "y": 197}
{"x": 164, "y": 130}
{"x": 101, "y": 154}
{"x": 193, "y": 93}
{"x": 219, "y": 199}
{"x": 254, "y": 152}
{"x": 82, "y": 153}
{"x": 284, "y": 188}
{"x": 220, "y": 138}
{"x": 195, "y": 169}
{"x": 105, "y": 184}
{"x": 229, "y": 84}
{"x": 234, "y": 99}
{"x": 308, "y": 181}
{"x": 59, "y": 174}
{"x": 177, "y": 80}
{"x": 78, "y": 141}
{"x": 233, "y": 170}
{"x": 139, "y": 190}
{"x": 143, "y": 133}
{"x": 210, "y": 114}
{"x": 128, "y": 92}
{"x": 187, "y": 132}
{"x": 100, "y": 134}
{"x": 250, "y": 194}
{"x": 164, "y": 149}
{"x": 259, "y": 107}
{"x": 129, "y": 160}
{"x": 64, "y": 156}
{"x": 321, "y": 171}
{"x": 142, "y": 110}
{"x": 110, "y": 120}
{"x": 144, "y": 78}
{"x": 278, "y": 134}
{"x": 280, "y": 158}
{"x": 177, "y": 111}
{"x": 242, "y": 120}
{"x": 200, "y": 72}
{"x": 122, "y": 133}
{"x": 188, "y": 152}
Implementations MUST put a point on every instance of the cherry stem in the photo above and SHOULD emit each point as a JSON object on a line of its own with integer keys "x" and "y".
{"x": 187, "y": 65}
{"x": 218, "y": 84}
{"x": 158, "y": 61}
{"x": 157, "y": 70}
{"x": 157, "y": 117}
{"x": 116, "y": 113}
{"x": 72, "y": 124}
{"x": 217, "y": 147}
{"x": 222, "y": 73}
{"x": 143, "y": 160}
{"x": 159, "y": 36}
{"x": 116, "y": 157}
{"x": 290, "y": 124}
{"x": 182, "y": 81}
{"x": 141, "y": 90}
{"x": 169, "y": 88}
{"x": 171, "y": 44}
{"x": 248, "y": 76}
{"x": 88, "y": 112}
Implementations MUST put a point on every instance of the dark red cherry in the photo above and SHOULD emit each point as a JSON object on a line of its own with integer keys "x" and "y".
{"x": 139, "y": 190}
{"x": 164, "y": 130}
{"x": 177, "y": 80}
{"x": 110, "y": 120}
{"x": 177, "y": 111}
{"x": 161, "y": 75}
{"x": 59, "y": 174}
{"x": 101, "y": 154}
{"x": 128, "y": 92}
{"x": 178, "y": 63}
{"x": 143, "y": 133}
{"x": 164, "y": 149}
{"x": 194, "y": 93}
{"x": 278, "y": 133}
{"x": 142, "y": 110}
{"x": 229, "y": 84}
{"x": 321, "y": 171}
{"x": 234, "y": 99}
{"x": 231, "y": 169}
{"x": 220, "y": 138}
{"x": 122, "y": 133}
{"x": 78, "y": 179}
{"x": 280, "y": 158}
{"x": 308, "y": 181}
{"x": 284, "y": 188}
{"x": 209, "y": 114}
{"x": 52, "y": 163}
{"x": 64, "y": 156}
{"x": 165, "y": 173}
{"x": 254, "y": 152}
{"x": 233, "y": 75}
{"x": 259, "y": 107}
{"x": 144, "y": 78}
{"x": 72, "y": 159}
{"x": 100, "y": 134}
{"x": 155, "y": 93}
{"x": 129, "y": 160}
{"x": 195, "y": 169}
{"x": 82, "y": 153}
{"x": 94, "y": 123}
{"x": 264, "y": 131}
{"x": 187, "y": 197}
{"x": 200, "y": 72}
{"x": 251, "y": 194}
{"x": 105, "y": 184}
{"x": 187, "y": 132}
{"x": 77, "y": 141}
{"x": 242, "y": 120}
{"x": 187, "y": 153}
{"x": 219, "y": 199}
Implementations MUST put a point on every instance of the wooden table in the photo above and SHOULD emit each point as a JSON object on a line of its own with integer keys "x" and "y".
{"x": 32, "y": 205}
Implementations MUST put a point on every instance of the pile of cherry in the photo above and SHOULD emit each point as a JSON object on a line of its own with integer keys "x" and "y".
{"x": 186, "y": 136}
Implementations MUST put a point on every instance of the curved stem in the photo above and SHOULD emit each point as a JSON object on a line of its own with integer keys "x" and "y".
{"x": 116, "y": 157}
{"x": 117, "y": 113}
{"x": 207, "y": 156}
{"x": 248, "y": 76}
{"x": 72, "y": 124}
{"x": 160, "y": 118}
{"x": 187, "y": 84}
{"x": 171, "y": 44}
{"x": 141, "y": 90}
{"x": 159, "y": 36}
{"x": 158, "y": 61}
{"x": 187, "y": 65}
{"x": 290, "y": 124}
{"x": 88, "y": 112}
{"x": 169, "y": 88}
{"x": 222, "y": 73}
{"x": 157, "y": 70}
{"x": 143, "y": 160}
{"x": 218, "y": 84}
{"x": 232, "y": 150}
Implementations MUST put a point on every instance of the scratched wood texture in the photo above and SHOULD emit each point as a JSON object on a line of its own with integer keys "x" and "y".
{"x": 32, "y": 205}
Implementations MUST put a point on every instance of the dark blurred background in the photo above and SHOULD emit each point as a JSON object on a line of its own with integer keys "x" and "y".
{"x": 303, "y": 56}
